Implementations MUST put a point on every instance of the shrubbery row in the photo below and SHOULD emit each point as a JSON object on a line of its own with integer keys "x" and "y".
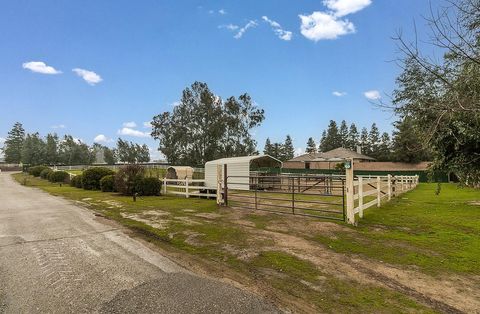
{"x": 129, "y": 180}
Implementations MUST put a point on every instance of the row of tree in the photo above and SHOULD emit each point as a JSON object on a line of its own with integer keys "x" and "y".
{"x": 282, "y": 151}
{"x": 33, "y": 149}
{"x": 402, "y": 146}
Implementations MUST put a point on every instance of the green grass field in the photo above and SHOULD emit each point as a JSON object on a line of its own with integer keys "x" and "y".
{"x": 437, "y": 233}
{"x": 419, "y": 231}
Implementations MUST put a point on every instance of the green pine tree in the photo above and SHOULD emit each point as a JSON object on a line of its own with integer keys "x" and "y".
{"x": 12, "y": 148}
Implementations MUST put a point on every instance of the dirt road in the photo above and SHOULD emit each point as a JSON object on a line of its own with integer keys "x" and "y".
{"x": 56, "y": 257}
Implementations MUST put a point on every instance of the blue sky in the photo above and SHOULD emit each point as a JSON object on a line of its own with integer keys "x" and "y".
{"x": 91, "y": 68}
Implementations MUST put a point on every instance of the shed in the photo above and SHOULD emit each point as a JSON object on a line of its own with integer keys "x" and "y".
{"x": 240, "y": 168}
{"x": 179, "y": 172}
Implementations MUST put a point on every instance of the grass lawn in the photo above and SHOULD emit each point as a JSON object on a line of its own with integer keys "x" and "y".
{"x": 437, "y": 233}
{"x": 305, "y": 263}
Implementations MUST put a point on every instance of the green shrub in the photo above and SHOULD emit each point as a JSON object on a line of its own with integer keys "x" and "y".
{"x": 45, "y": 172}
{"x": 58, "y": 176}
{"x": 79, "y": 181}
{"x": 149, "y": 187}
{"x": 36, "y": 170}
{"x": 128, "y": 179}
{"x": 73, "y": 181}
{"x": 92, "y": 176}
{"x": 107, "y": 183}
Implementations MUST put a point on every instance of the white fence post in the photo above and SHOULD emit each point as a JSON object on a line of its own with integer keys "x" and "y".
{"x": 186, "y": 188}
{"x": 349, "y": 190}
{"x": 219, "y": 184}
{"x": 379, "y": 190}
{"x": 164, "y": 186}
{"x": 360, "y": 197}
{"x": 389, "y": 183}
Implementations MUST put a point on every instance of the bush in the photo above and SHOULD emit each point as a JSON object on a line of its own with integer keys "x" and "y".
{"x": 73, "y": 181}
{"x": 58, "y": 176}
{"x": 79, "y": 181}
{"x": 107, "y": 183}
{"x": 35, "y": 171}
{"x": 92, "y": 176}
{"x": 45, "y": 173}
{"x": 149, "y": 187}
{"x": 128, "y": 179}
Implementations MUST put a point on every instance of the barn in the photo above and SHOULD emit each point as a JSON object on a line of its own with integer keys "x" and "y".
{"x": 240, "y": 168}
{"x": 179, "y": 172}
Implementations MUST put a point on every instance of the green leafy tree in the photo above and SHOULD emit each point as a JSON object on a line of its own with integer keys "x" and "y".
{"x": 109, "y": 156}
{"x": 311, "y": 146}
{"x": 33, "y": 150}
{"x": 12, "y": 148}
{"x": 203, "y": 127}
{"x": 407, "y": 143}
{"x": 74, "y": 152}
{"x": 440, "y": 97}
{"x": 51, "y": 149}
{"x": 132, "y": 153}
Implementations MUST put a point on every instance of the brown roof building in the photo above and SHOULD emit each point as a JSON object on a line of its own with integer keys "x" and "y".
{"x": 329, "y": 160}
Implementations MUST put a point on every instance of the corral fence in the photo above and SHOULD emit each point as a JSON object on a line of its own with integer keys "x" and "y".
{"x": 321, "y": 196}
{"x": 369, "y": 191}
{"x": 188, "y": 188}
{"x": 333, "y": 197}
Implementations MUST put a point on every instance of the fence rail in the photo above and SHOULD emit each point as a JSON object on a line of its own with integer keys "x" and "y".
{"x": 188, "y": 188}
{"x": 380, "y": 188}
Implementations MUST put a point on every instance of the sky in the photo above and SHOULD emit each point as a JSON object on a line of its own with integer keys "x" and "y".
{"x": 100, "y": 70}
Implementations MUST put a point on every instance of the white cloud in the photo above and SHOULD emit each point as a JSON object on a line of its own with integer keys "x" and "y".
{"x": 339, "y": 94}
{"x": 231, "y": 27}
{"x": 90, "y": 77}
{"x": 242, "y": 30}
{"x": 277, "y": 28}
{"x": 321, "y": 25}
{"x": 344, "y": 7}
{"x": 100, "y": 138}
{"x": 2, "y": 140}
{"x": 132, "y": 132}
{"x": 130, "y": 124}
{"x": 40, "y": 67}
{"x": 372, "y": 95}
{"x": 147, "y": 124}
{"x": 175, "y": 103}
{"x": 222, "y": 11}
{"x": 330, "y": 25}
{"x": 59, "y": 126}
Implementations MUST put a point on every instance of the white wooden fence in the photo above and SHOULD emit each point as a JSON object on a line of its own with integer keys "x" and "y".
{"x": 380, "y": 188}
{"x": 187, "y": 188}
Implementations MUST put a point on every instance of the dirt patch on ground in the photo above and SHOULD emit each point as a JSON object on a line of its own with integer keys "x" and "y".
{"x": 447, "y": 294}
{"x": 208, "y": 215}
{"x": 161, "y": 224}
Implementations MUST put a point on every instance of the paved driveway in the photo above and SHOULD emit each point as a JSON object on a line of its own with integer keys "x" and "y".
{"x": 56, "y": 257}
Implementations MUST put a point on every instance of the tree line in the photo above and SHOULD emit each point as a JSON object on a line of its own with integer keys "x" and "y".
{"x": 402, "y": 146}
{"x": 33, "y": 149}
